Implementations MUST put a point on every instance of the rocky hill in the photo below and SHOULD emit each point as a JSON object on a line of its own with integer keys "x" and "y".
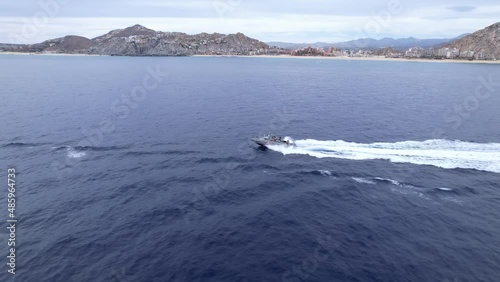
{"x": 141, "y": 41}
{"x": 388, "y": 52}
{"x": 485, "y": 42}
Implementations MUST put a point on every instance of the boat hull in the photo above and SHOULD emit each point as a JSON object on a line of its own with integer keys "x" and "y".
{"x": 266, "y": 142}
{"x": 260, "y": 142}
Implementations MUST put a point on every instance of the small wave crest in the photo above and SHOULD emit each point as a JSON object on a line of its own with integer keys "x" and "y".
{"x": 394, "y": 182}
{"x": 71, "y": 152}
{"x": 77, "y": 152}
{"x": 441, "y": 153}
{"x": 363, "y": 180}
{"x": 325, "y": 172}
{"x": 19, "y": 145}
{"x": 445, "y": 189}
{"x": 88, "y": 148}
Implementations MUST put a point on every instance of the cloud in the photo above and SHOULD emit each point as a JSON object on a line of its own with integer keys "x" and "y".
{"x": 462, "y": 9}
{"x": 290, "y": 20}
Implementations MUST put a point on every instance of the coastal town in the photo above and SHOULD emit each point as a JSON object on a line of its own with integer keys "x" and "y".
{"x": 411, "y": 53}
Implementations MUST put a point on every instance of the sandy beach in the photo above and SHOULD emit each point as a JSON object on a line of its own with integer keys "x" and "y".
{"x": 374, "y": 58}
{"x": 46, "y": 54}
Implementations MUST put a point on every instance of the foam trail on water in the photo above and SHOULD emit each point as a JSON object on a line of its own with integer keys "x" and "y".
{"x": 441, "y": 153}
{"x": 362, "y": 180}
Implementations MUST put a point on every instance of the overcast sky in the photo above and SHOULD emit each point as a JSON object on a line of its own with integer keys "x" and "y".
{"x": 30, "y": 21}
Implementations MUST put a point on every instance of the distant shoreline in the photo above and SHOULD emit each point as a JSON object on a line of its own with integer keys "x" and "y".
{"x": 374, "y": 58}
{"x": 49, "y": 54}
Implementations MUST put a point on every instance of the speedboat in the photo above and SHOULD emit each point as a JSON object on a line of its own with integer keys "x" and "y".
{"x": 268, "y": 140}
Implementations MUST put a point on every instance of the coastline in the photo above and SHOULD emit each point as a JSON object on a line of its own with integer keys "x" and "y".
{"x": 374, "y": 58}
{"x": 48, "y": 54}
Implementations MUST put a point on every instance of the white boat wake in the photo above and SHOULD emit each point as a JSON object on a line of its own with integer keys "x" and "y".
{"x": 440, "y": 153}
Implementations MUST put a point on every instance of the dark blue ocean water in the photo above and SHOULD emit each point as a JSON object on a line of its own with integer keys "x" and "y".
{"x": 396, "y": 175}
